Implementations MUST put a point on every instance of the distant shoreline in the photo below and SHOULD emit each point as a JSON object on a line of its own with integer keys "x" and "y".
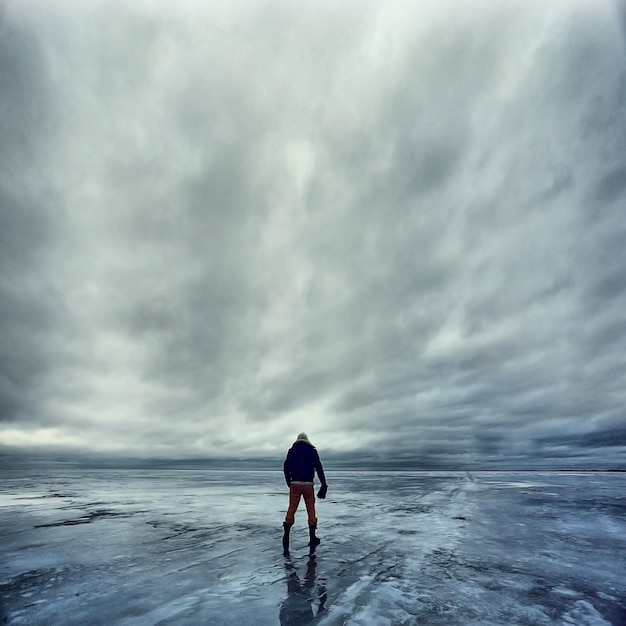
{"x": 253, "y": 466}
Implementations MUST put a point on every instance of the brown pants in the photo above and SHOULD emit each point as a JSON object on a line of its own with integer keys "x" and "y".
{"x": 306, "y": 491}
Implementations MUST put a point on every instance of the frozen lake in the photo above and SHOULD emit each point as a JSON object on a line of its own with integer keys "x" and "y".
{"x": 203, "y": 547}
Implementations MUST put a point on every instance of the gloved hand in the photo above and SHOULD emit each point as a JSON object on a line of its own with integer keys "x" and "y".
{"x": 321, "y": 494}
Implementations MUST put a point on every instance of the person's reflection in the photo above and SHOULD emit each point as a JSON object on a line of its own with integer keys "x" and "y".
{"x": 305, "y": 600}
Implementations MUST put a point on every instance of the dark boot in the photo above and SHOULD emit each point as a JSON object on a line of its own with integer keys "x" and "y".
{"x": 287, "y": 529}
{"x": 313, "y": 540}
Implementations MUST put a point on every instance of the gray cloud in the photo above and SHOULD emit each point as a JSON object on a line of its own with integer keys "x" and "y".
{"x": 612, "y": 186}
{"x": 225, "y": 224}
{"x": 29, "y": 308}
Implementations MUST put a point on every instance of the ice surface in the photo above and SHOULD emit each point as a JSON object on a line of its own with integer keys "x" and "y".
{"x": 203, "y": 547}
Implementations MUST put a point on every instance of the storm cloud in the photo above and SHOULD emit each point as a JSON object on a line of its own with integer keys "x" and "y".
{"x": 399, "y": 227}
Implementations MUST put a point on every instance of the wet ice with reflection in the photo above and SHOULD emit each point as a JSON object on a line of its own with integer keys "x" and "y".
{"x": 191, "y": 547}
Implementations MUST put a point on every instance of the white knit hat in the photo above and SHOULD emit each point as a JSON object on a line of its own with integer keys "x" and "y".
{"x": 302, "y": 437}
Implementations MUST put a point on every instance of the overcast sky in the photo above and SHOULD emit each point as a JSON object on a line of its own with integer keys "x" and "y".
{"x": 398, "y": 226}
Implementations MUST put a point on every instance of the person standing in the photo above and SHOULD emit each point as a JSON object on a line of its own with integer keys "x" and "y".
{"x": 300, "y": 466}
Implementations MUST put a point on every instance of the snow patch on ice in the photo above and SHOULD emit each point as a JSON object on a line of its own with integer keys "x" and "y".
{"x": 584, "y": 614}
{"x": 347, "y": 607}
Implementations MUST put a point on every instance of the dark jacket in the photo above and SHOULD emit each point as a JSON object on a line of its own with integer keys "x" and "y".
{"x": 302, "y": 462}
